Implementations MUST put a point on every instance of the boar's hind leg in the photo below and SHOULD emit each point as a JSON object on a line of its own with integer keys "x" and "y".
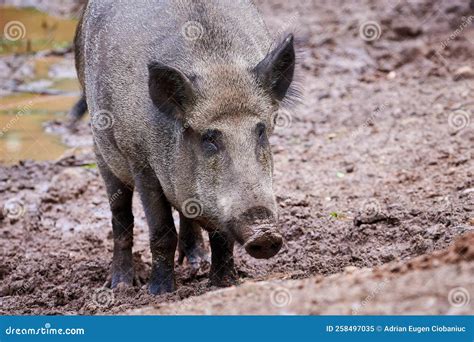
{"x": 77, "y": 111}
{"x": 163, "y": 236}
{"x": 191, "y": 243}
{"x": 222, "y": 265}
{"x": 120, "y": 199}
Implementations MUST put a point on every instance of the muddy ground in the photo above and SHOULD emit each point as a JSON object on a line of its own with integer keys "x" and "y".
{"x": 373, "y": 177}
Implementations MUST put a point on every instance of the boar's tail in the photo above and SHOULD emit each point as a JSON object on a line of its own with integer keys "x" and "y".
{"x": 78, "y": 110}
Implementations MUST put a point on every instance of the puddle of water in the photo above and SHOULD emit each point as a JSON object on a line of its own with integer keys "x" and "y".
{"x": 52, "y": 73}
{"x": 53, "y": 67}
{"x": 67, "y": 85}
{"x": 22, "y": 115}
{"x": 21, "y": 127}
{"x": 29, "y": 30}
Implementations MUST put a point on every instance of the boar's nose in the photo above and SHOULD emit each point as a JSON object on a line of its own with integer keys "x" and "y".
{"x": 258, "y": 233}
{"x": 264, "y": 243}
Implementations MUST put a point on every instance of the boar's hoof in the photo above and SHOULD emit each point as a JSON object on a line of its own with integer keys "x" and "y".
{"x": 264, "y": 244}
{"x": 196, "y": 257}
{"x": 157, "y": 287}
{"x": 119, "y": 280}
{"x": 223, "y": 278}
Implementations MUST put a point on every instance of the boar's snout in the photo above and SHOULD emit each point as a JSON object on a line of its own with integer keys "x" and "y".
{"x": 257, "y": 232}
{"x": 264, "y": 243}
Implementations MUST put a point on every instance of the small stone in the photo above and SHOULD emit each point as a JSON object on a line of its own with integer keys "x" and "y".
{"x": 407, "y": 30}
{"x": 350, "y": 269}
{"x": 438, "y": 108}
{"x": 350, "y": 168}
{"x": 464, "y": 72}
{"x": 391, "y": 75}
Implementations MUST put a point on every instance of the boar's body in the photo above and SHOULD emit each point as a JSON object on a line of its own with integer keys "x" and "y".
{"x": 182, "y": 96}
{"x": 120, "y": 38}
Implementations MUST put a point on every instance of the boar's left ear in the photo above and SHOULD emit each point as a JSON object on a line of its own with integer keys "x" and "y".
{"x": 277, "y": 68}
{"x": 170, "y": 90}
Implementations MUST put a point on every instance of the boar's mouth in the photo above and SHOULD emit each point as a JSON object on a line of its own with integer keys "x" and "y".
{"x": 256, "y": 230}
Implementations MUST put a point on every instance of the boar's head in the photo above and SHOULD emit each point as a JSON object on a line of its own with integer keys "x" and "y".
{"x": 221, "y": 157}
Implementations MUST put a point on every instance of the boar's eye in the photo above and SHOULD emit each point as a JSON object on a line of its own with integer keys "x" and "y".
{"x": 260, "y": 130}
{"x": 210, "y": 141}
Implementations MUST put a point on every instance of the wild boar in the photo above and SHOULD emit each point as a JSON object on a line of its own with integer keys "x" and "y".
{"x": 183, "y": 97}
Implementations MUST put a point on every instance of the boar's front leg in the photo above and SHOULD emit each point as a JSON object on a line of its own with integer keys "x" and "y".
{"x": 163, "y": 236}
{"x": 191, "y": 243}
{"x": 120, "y": 200}
{"x": 222, "y": 265}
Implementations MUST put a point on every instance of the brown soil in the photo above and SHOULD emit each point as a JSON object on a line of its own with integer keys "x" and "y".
{"x": 373, "y": 168}
{"x": 416, "y": 287}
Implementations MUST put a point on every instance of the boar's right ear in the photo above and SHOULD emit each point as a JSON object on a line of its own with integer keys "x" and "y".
{"x": 276, "y": 70}
{"x": 170, "y": 90}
